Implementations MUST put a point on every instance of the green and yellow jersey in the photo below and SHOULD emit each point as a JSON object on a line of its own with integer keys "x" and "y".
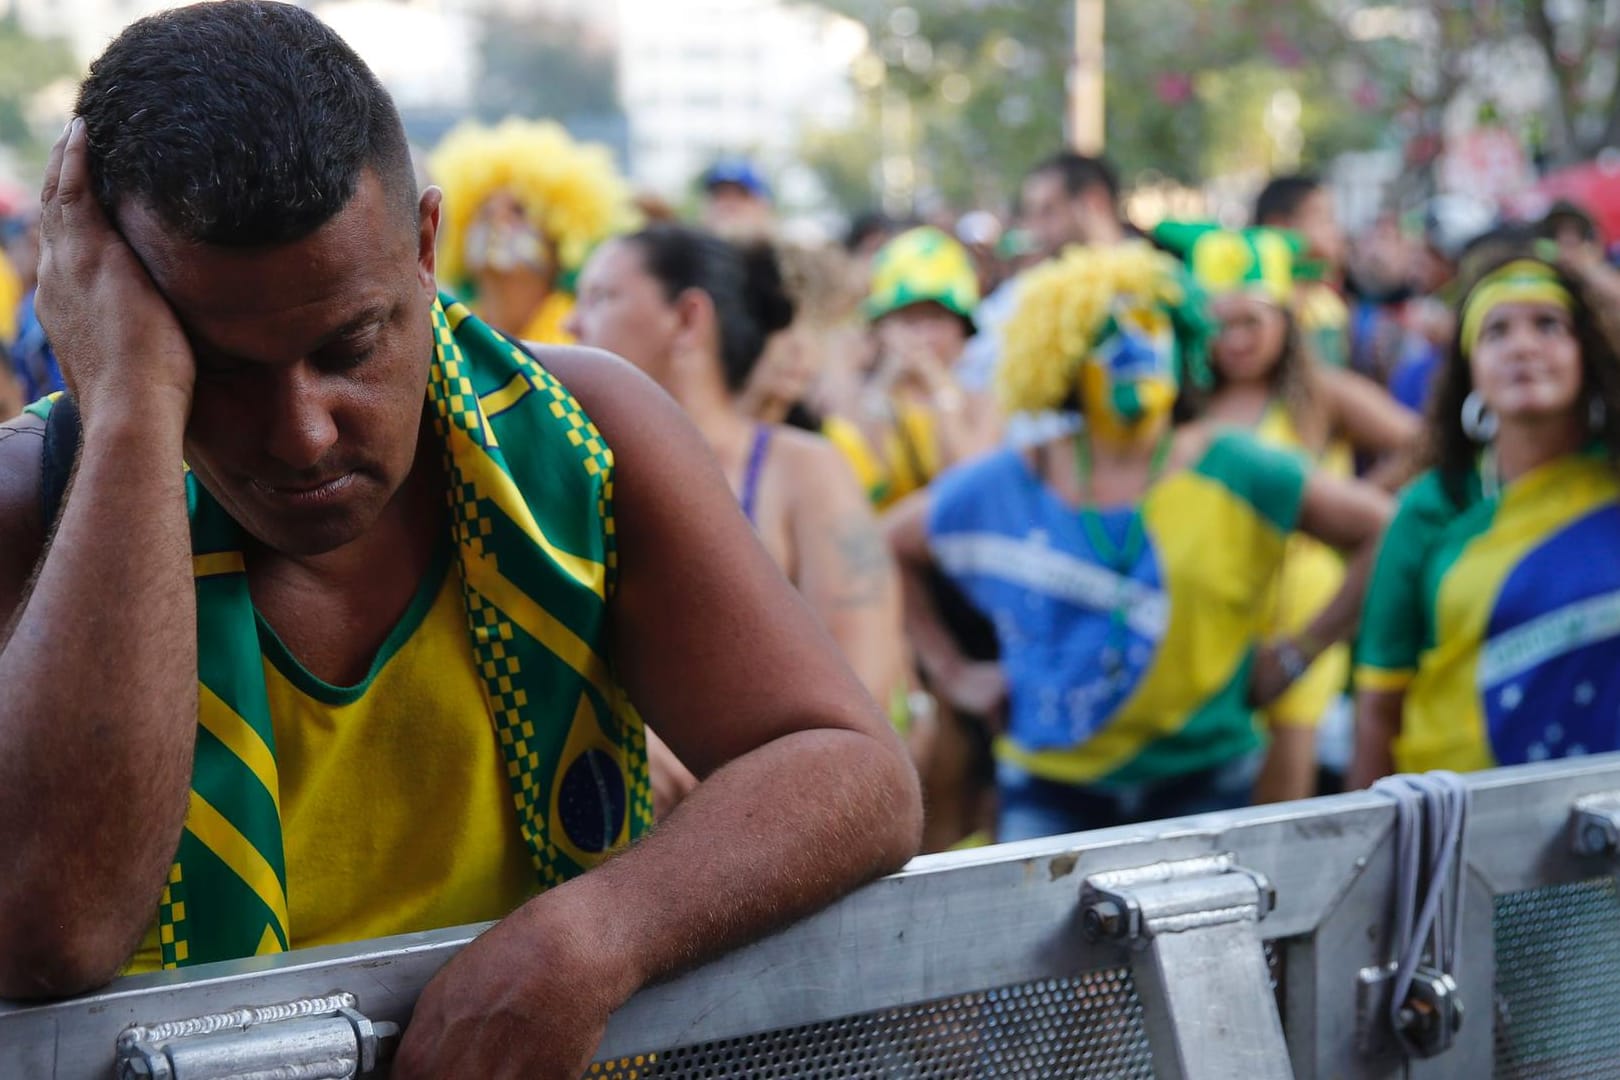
{"x": 395, "y": 779}
{"x": 1499, "y": 618}
{"x": 909, "y": 458}
{"x": 1124, "y": 674}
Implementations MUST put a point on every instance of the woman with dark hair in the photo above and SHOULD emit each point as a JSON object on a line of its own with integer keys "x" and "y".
{"x": 1265, "y": 379}
{"x": 1491, "y": 634}
{"x": 695, "y": 313}
{"x": 1126, "y": 568}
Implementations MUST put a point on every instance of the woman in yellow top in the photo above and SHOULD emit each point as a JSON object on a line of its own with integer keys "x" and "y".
{"x": 524, "y": 204}
{"x": 1265, "y": 380}
{"x": 912, "y": 419}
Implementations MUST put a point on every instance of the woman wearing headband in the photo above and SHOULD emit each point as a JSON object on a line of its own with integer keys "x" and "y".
{"x": 1127, "y": 569}
{"x": 1491, "y": 634}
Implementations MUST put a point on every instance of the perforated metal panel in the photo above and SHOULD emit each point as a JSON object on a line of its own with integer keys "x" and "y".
{"x": 1087, "y": 1026}
{"x": 1557, "y": 977}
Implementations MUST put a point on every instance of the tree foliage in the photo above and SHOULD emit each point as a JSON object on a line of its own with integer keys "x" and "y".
{"x": 1203, "y": 88}
{"x": 1578, "y": 41}
{"x": 27, "y": 65}
{"x": 1189, "y": 83}
{"x": 538, "y": 65}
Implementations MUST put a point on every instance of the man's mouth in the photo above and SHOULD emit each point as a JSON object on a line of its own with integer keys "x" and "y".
{"x": 306, "y": 493}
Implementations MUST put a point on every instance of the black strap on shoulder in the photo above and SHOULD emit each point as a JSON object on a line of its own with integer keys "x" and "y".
{"x": 56, "y": 460}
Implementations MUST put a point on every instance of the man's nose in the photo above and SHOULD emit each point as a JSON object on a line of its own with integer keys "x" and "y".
{"x": 301, "y": 430}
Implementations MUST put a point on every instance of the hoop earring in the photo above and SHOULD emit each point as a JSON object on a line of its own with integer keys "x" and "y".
{"x": 1597, "y": 413}
{"x": 1478, "y": 422}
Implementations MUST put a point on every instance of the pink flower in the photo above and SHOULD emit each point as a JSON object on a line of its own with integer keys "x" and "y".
{"x": 1174, "y": 88}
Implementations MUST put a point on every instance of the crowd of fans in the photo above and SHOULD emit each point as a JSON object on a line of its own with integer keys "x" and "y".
{"x": 1095, "y": 512}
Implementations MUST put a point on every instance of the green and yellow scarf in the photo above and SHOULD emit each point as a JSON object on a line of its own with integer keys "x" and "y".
{"x": 530, "y": 483}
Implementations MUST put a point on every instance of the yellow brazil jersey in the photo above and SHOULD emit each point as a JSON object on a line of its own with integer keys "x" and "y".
{"x": 398, "y": 779}
{"x": 546, "y": 325}
{"x": 910, "y": 457}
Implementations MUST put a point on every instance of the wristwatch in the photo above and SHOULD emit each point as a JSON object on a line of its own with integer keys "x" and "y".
{"x": 1292, "y": 658}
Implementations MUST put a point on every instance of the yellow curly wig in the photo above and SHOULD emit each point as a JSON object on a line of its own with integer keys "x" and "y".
{"x": 1062, "y": 305}
{"x": 571, "y": 191}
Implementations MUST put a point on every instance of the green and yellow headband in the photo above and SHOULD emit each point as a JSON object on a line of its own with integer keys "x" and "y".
{"x": 1257, "y": 262}
{"x": 1523, "y": 281}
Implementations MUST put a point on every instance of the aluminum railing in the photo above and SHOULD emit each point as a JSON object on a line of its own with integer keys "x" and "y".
{"x": 1245, "y": 944}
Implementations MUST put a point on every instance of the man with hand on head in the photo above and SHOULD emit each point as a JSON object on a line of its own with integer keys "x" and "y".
{"x": 363, "y": 666}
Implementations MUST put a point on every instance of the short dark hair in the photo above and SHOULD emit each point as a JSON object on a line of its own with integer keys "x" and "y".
{"x": 240, "y": 123}
{"x": 1568, "y": 212}
{"x": 867, "y": 224}
{"x": 1080, "y": 173}
{"x": 744, "y": 282}
{"x": 1282, "y": 197}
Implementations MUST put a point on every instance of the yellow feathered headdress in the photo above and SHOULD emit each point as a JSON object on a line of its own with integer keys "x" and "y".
{"x": 1065, "y": 305}
{"x": 571, "y": 191}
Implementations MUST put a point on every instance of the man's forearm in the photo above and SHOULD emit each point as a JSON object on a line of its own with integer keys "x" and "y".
{"x": 771, "y": 837}
{"x": 98, "y": 718}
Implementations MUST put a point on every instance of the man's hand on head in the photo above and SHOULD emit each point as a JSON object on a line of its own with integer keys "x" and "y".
{"x": 95, "y": 776}
{"x": 122, "y": 350}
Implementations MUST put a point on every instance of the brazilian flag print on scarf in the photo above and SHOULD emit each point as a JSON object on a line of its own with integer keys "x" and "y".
{"x": 530, "y": 484}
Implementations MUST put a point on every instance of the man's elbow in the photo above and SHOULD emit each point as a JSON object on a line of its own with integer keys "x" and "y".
{"x": 900, "y": 814}
{"x": 56, "y": 962}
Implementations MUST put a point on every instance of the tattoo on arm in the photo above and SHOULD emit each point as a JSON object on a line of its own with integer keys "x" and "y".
{"x": 862, "y": 561}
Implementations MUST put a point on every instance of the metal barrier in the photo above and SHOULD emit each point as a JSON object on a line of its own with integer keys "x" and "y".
{"x": 1250, "y": 944}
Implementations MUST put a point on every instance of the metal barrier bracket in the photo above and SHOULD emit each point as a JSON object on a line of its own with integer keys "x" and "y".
{"x": 1208, "y": 1002}
{"x": 1430, "y": 1020}
{"x": 1594, "y": 824}
{"x": 321, "y": 1038}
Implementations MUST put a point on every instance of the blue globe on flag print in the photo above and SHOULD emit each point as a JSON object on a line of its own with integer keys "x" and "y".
{"x": 1549, "y": 671}
{"x": 1070, "y": 691}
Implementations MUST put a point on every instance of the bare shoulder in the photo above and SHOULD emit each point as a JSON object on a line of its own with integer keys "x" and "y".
{"x": 620, "y": 400}
{"x": 810, "y": 456}
{"x": 661, "y": 463}
{"x": 1192, "y": 439}
{"x": 822, "y": 481}
{"x": 22, "y": 528}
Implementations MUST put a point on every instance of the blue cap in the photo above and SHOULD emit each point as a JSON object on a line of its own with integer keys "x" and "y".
{"x": 739, "y": 172}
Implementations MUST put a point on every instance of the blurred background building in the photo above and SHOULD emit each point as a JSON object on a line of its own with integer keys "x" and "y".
{"x": 944, "y": 103}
